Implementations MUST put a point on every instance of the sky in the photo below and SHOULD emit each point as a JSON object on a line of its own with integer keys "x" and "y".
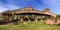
{"x": 53, "y": 5}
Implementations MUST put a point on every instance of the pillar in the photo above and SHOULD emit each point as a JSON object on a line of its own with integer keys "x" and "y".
{"x": 15, "y": 17}
{"x": 51, "y": 18}
{"x": 28, "y": 20}
{"x": 35, "y": 19}
{"x": 21, "y": 20}
{"x": 41, "y": 18}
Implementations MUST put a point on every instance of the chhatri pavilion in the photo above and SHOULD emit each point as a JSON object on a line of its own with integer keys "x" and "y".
{"x": 30, "y": 14}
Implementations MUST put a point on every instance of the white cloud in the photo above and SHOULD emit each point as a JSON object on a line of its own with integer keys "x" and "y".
{"x": 7, "y": 6}
{"x": 2, "y": 9}
{"x": 14, "y": 4}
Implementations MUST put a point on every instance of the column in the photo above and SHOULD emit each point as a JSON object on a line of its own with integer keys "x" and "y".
{"x": 35, "y": 19}
{"x": 21, "y": 20}
{"x": 14, "y": 17}
{"x": 28, "y": 20}
{"x": 51, "y": 18}
{"x": 41, "y": 18}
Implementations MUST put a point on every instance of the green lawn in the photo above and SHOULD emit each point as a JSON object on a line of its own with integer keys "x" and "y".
{"x": 29, "y": 26}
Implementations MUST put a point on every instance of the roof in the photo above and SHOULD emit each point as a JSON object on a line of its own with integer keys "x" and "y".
{"x": 31, "y": 10}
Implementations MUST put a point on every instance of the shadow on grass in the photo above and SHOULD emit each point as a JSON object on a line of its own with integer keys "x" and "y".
{"x": 15, "y": 23}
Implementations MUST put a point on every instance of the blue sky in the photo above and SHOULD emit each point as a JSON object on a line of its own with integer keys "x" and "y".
{"x": 54, "y": 5}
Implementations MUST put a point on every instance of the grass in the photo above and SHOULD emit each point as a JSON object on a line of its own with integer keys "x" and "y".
{"x": 29, "y": 26}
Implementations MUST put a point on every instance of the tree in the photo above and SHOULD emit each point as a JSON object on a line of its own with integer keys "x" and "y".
{"x": 0, "y": 16}
{"x": 57, "y": 16}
